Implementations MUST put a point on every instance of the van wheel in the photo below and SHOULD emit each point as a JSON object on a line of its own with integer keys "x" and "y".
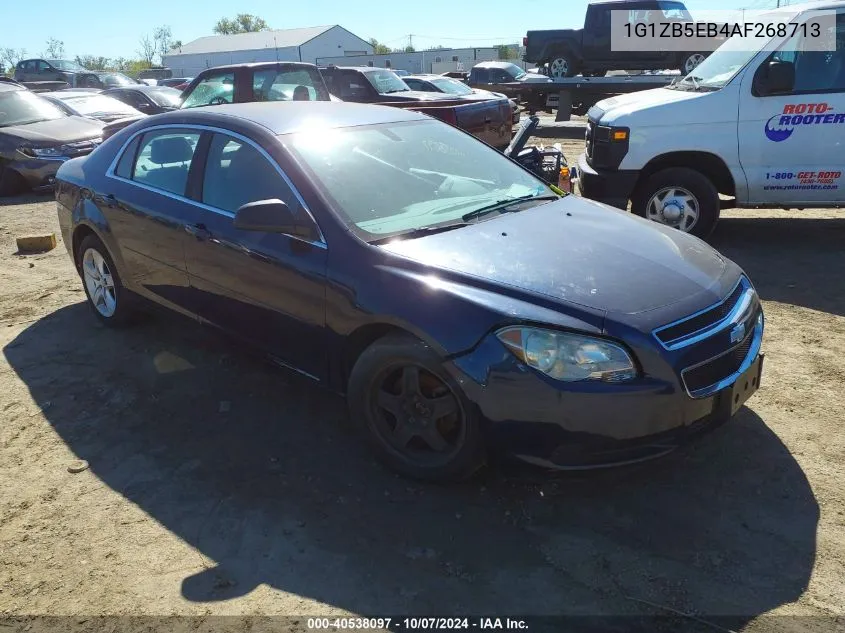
{"x": 679, "y": 197}
{"x": 561, "y": 66}
{"x": 415, "y": 417}
{"x": 105, "y": 292}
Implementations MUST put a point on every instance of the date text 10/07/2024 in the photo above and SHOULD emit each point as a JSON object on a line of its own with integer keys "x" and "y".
{"x": 416, "y": 624}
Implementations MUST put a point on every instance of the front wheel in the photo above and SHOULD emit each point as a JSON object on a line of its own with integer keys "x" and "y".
{"x": 415, "y": 416}
{"x": 679, "y": 197}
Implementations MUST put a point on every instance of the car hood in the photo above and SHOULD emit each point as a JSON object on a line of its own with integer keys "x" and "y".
{"x": 55, "y": 132}
{"x": 533, "y": 78}
{"x": 575, "y": 251}
{"x": 419, "y": 95}
{"x": 651, "y": 107}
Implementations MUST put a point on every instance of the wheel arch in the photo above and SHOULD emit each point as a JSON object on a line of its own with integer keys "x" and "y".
{"x": 706, "y": 163}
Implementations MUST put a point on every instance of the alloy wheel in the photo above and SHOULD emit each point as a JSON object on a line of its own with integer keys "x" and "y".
{"x": 692, "y": 62}
{"x": 99, "y": 282}
{"x": 559, "y": 67}
{"x": 417, "y": 416}
{"x": 675, "y": 207}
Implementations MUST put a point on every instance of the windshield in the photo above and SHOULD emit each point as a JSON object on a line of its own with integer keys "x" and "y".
{"x": 396, "y": 178}
{"x": 386, "y": 81}
{"x": 166, "y": 97}
{"x": 112, "y": 80}
{"x": 99, "y": 104}
{"x": 515, "y": 71}
{"x": 674, "y": 11}
{"x": 21, "y": 107}
{"x": 452, "y": 86}
{"x": 721, "y": 66}
{"x": 64, "y": 64}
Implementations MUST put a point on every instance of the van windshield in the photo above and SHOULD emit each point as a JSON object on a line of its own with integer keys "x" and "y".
{"x": 722, "y": 65}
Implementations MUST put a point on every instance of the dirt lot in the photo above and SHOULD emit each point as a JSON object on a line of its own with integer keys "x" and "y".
{"x": 218, "y": 485}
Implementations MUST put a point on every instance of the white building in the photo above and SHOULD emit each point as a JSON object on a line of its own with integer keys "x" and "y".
{"x": 432, "y": 61}
{"x": 294, "y": 45}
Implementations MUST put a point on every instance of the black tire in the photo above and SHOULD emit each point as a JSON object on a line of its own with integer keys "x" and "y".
{"x": 123, "y": 311}
{"x": 689, "y": 61}
{"x": 562, "y": 60}
{"x": 402, "y": 440}
{"x": 11, "y": 182}
{"x": 696, "y": 183}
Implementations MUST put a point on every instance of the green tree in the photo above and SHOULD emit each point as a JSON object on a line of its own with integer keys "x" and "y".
{"x": 92, "y": 62}
{"x": 410, "y": 49}
{"x": 55, "y": 48}
{"x": 12, "y": 56}
{"x": 148, "y": 50}
{"x": 241, "y": 23}
{"x": 379, "y": 48}
{"x": 506, "y": 52}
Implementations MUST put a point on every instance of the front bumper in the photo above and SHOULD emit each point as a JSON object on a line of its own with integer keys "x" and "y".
{"x": 610, "y": 187}
{"x": 39, "y": 172}
{"x": 571, "y": 426}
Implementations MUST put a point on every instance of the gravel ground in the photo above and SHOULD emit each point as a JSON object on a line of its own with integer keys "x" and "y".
{"x": 220, "y": 486}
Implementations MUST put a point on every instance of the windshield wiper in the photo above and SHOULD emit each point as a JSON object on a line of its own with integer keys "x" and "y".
{"x": 390, "y": 92}
{"x": 421, "y": 232}
{"x": 502, "y": 206}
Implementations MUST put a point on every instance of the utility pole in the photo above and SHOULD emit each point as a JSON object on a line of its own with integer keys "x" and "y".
{"x": 410, "y": 40}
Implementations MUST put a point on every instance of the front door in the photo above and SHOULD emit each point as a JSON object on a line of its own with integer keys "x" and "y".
{"x": 792, "y": 146}
{"x": 267, "y": 288}
{"x": 145, "y": 202}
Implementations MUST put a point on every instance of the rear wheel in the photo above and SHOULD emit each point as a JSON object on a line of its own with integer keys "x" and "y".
{"x": 105, "y": 292}
{"x": 416, "y": 418}
{"x": 562, "y": 66}
{"x": 680, "y": 197}
{"x": 690, "y": 62}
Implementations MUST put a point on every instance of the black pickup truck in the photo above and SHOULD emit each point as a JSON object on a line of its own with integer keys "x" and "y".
{"x": 588, "y": 51}
{"x": 489, "y": 120}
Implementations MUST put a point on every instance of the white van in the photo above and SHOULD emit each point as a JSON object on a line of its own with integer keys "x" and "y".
{"x": 766, "y": 127}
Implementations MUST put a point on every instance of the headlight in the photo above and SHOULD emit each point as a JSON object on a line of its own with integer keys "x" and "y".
{"x": 41, "y": 152}
{"x": 569, "y": 357}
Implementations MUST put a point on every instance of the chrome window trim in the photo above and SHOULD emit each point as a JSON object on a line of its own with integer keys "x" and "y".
{"x": 753, "y": 351}
{"x": 743, "y": 304}
{"x": 110, "y": 173}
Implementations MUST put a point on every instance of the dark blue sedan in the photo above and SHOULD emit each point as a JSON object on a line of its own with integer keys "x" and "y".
{"x": 465, "y": 308}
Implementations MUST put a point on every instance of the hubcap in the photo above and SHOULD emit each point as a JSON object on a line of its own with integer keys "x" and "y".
{"x": 417, "y": 415}
{"x": 559, "y": 67}
{"x": 693, "y": 61}
{"x": 99, "y": 282}
{"x": 675, "y": 207}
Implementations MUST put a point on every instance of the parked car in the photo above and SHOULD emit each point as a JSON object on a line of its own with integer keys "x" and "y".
{"x": 491, "y": 73}
{"x": 91, "y": 104}
{"x": 400, "y": 73}
{"x": 109, "y": 79}
{"x": 460, "y": 75}
{"x": 147, "y": 99}
{"x": 761, "y": 125}
{"x": 588, "y": 51}
{"x": 157, "y": 73}
{"x": 36, "y": 137}
{"x": 175, "y": 82}
{"x": 462, "y": 307}
{"x": 263, "y": 81}
{"x": 60, "y": 70}
{"x": 489, "y": 120}
{"x": 446, "y": 85}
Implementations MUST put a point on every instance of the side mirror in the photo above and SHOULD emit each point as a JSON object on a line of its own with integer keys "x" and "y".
{"x": 272, "y": 216}
{"x": 775, "y": 78}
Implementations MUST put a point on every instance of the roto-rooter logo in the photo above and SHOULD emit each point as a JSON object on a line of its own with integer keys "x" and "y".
{"x": 781, "y": 126}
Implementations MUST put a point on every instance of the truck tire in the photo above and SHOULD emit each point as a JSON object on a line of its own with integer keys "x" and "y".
{"x": 689, "y": 62}
{"x": 562, "y": 65}
{"x": 679, "y": 197}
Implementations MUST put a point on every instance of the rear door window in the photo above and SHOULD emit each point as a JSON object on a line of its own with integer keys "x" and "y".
{"x": 164, "y": 159}
{"x": 291, "y": 84}
{"x": 213, "y": 89}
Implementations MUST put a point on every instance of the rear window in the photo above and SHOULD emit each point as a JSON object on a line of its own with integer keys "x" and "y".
{"x": 300, "y": 84}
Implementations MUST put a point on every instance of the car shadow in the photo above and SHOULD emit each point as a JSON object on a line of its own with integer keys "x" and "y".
{"x": 30, "y": 197}
{"x": 791, "y": 260}
{"x": 264, "y": 476}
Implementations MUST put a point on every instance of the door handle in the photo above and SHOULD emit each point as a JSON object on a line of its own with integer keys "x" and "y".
{"x": 199, "y": 231}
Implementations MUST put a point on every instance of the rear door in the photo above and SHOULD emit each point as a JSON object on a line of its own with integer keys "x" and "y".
{"x": 266, "y": 288}
{"x": 148, "y": 210}
{"x": 792, "y": 146}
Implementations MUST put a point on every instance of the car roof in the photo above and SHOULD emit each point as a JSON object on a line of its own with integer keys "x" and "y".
{"x": 292, "y": 116}
{"x": 10, "y": 87}
{"x": 142, "y": 88}
{"x": 257, "y": 65}
{"x": 494, "y": 65}
{"x": 69, "y": 94}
